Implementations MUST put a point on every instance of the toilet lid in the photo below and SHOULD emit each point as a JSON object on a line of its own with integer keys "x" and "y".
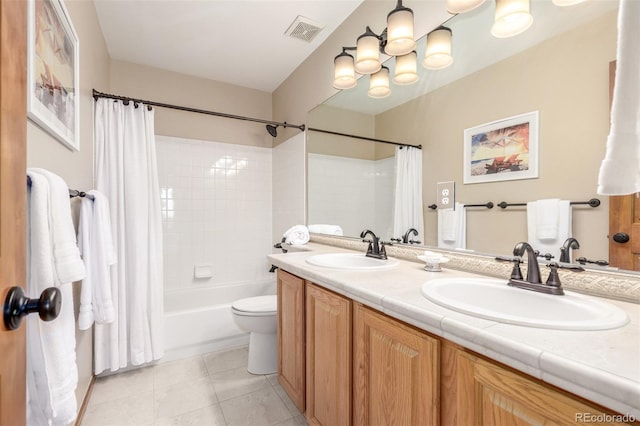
{"x": 257, "y": 304}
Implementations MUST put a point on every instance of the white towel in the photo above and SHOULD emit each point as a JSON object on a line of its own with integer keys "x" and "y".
{"x": 66, "y": 256}
{"x": 547, "y": 218}
{"x": 452, "y": 227}
{"x": 326, "y": 229}
{"x": 298, "y": 234}
{"x": 51, "y": 358}
{"x": 564, "y": 225}
{"x": 620, "y": 169}
{"x": 96, "y": 246}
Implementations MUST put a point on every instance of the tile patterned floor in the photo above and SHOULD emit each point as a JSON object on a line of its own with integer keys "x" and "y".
{"x": 207, "y": 390}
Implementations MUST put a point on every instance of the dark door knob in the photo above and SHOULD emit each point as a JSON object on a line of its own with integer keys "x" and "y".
{"x": 621, "y": 237}
{"x": 16, "y": 306}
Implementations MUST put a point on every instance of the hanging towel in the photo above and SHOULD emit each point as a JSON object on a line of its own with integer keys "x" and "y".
{"x": 548, "y": 225}
{"x": 547, "y": 216}
{"x": 298, "y": 234}
{"x": 326, "y": 229}
{"x": 51, "y": 358}
{"x": 620, "y": 169}
{"x": 66, "y": 256}
{"x": 96, "y": 246}
{"x": 452, "y": 228}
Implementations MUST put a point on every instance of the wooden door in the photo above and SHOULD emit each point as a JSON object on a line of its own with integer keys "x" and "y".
{"x": 291, "y": 337}
{"x": 624, "y": 217}
{"x": 488, "y": 394}
{"x": 328, "y": 319}
{"x": 395, "y": 378}
{"x": 13, "y": 134}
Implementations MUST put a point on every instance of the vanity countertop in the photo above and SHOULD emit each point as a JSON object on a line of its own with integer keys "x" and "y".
{"x": 601, "y": 366}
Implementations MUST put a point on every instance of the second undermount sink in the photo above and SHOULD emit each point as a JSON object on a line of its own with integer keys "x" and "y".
{"x": 493, "y": 299}
{"x": 354, "y": 261}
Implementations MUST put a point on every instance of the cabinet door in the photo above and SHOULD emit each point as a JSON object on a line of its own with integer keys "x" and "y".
{"x": 291, "y": 337}
{"x": 492, "y": 395}
{"x": 395, "y": 377}
{"x": 328, "y": 358}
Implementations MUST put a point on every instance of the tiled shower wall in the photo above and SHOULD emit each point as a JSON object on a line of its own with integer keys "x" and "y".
{"x": 350, "y": 192}
{"x": 216, "y": 211}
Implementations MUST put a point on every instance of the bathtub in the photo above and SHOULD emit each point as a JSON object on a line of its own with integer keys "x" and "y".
{"x": 198, "y": 320}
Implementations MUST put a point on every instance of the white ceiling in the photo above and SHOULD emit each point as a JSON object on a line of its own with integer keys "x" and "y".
{"x": 238, "y": 42}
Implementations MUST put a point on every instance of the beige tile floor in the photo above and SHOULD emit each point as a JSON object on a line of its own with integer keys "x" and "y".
{"x": 211, "y": 389}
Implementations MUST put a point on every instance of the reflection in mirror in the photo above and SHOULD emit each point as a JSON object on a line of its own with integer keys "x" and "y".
{"x": 559, "y": 67}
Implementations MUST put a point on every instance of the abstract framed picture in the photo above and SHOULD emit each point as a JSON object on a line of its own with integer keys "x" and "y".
{"x": 52, "y": 71}
{"x": 505, "y": 149}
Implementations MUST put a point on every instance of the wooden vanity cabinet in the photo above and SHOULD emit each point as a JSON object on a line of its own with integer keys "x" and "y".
{"x": 291, "y": 337}
{"x": 396, "y": 372}
{"x": 345, "y": 363}
{"x": 328, "y": 318}
{"x": 483, "y": 393}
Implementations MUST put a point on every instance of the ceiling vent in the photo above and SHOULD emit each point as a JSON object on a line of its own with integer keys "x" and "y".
{"x": 304, "y": 29}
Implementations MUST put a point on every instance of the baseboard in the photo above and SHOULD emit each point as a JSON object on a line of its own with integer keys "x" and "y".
{"x": 85, "y": 402}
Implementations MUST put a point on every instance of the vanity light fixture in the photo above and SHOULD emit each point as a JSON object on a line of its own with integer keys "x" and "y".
{"x": 379, "y": 83}
{"x": 406, "y": 71}
{"x": 438, "y": 51}
{"x": 344, "y": 71}
{"x": 461, "y": 6}
{"x": 396, "y": 40}
{"x": 512, "y": 17}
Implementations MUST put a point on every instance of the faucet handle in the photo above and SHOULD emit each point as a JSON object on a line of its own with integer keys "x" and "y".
{"x": 415, "y": 242}
{"x": 516, "y": 272}
{"x": 554, "y": 279}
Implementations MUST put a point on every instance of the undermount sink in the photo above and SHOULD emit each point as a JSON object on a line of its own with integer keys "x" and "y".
{"x": 355, "y": 261}
{"x": 493, "y": 299}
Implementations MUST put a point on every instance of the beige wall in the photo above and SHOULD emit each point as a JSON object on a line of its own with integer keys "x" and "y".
{"x": 157, "y": 85}
{"x": 76, "y": 167}
{"x": 567, "y": 80}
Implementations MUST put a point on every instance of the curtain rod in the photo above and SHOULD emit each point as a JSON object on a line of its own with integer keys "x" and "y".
{"x": 97, "y": 94}
{"x": 363, "y": 138}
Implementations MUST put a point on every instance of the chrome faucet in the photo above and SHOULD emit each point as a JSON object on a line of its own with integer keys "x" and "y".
{"x": 407, "y": 235}
{"x": 565, "y": 250}
{"x": 376, "y": 248}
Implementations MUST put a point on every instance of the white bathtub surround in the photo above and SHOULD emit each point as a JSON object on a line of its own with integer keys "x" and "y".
{"x": 601, "y": 366}
{"x": 341, "y": 189}
{"x": 126, "y": 172}
{"x": 408, "y": 194}
{"x": 216, "y": 212}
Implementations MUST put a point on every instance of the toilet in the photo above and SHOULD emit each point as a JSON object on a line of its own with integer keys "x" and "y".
{"x": 257, "y": 315}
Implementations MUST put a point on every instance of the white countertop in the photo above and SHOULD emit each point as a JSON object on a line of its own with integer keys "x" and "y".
{"x": 601, "y": 366}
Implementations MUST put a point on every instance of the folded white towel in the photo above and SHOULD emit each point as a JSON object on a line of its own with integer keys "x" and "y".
{"x": 452, "y": 227}
{"x": 51, "y": 357}
{"x": 549, "y": 245}
{"x": 298, "y": 234}
{"x": 326, "y": 229}
{"x": 68, "y": 265}
{"x": 547, "y": 216}
{"x": 98, "y": 254}
{"x": 620, "y": 169}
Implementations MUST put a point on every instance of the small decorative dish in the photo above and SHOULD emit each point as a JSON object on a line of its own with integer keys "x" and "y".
{"x": 432, "y": 261}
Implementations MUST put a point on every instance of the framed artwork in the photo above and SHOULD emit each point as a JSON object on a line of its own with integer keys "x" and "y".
{"x": 505, "y": 149}
{"x": 52, "y": 71}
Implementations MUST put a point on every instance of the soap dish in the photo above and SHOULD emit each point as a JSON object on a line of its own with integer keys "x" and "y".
{"x": 433, "y": 261}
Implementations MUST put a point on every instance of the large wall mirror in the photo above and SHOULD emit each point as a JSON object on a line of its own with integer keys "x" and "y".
{"x": 559, "y": 68}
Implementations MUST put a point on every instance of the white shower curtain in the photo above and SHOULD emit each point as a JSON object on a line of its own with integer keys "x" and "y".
{"x": 408, "y": 195}
{"x": 126, "y": 172}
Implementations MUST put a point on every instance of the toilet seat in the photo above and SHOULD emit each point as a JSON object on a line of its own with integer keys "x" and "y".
{"x": 256, "y": 306}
